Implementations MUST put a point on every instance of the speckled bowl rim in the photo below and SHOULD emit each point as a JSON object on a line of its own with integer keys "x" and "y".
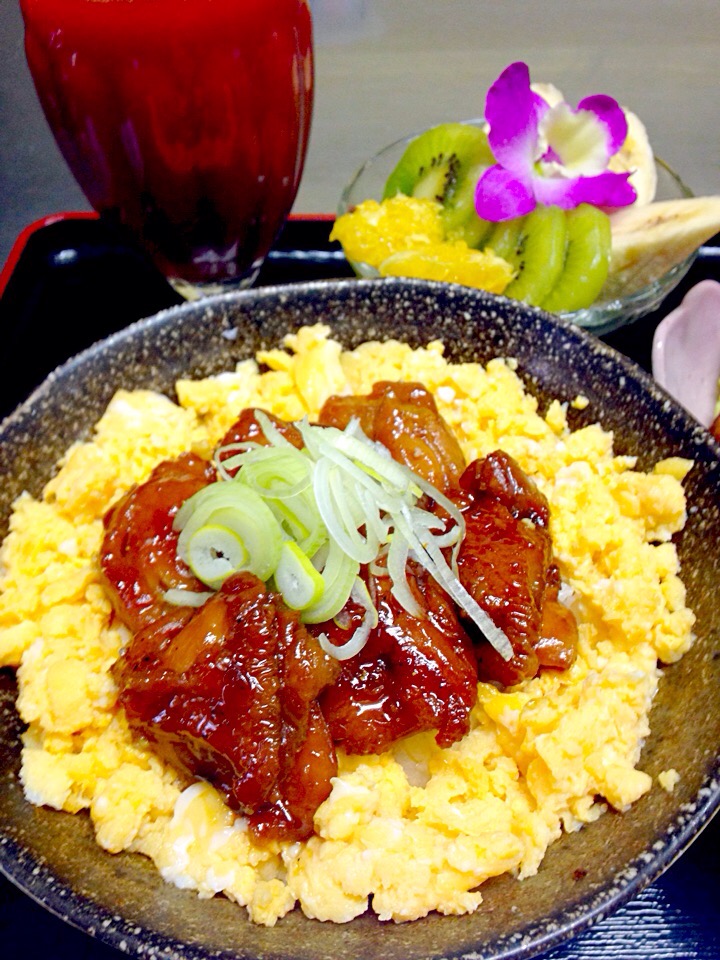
{"x": 32, "y": 875}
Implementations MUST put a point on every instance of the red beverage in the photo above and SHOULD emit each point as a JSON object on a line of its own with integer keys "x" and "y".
{"x": 186, "y": 120}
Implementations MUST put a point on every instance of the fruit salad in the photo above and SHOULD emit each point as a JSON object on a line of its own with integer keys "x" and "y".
{"x": 543, "y": 202}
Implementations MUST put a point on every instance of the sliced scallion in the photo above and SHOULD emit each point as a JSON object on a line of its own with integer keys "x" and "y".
{"x": 360, "y": 636}
{"x": 397, "y": 559}
{"x": 187, "y": 598}
{"x": 300, "y": 584}
{"x": 338, "y": 574}
{"x": 278, "y": 473}
{"x": 273, "y": 436}
{"x": 301, "y": 521}
{"x": 311, "y": 517}
{"x": 431, "y": 557}
{"x": 214, "y": 552}
{"x": 232, "y": 511}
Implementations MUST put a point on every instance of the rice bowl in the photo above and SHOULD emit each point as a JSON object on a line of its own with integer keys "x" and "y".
{"x": 627, "y": 786}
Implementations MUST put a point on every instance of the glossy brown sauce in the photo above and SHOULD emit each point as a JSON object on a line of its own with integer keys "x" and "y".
{"x": 240, "y": 692}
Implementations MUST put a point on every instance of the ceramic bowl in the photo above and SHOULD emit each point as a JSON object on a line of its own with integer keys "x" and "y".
{"x": 121, "y": 899}
{"x": 600, "y": 318}
{"x": 686, "y": 351}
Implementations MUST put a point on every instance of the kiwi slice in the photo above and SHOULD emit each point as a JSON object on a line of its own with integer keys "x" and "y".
{"x": 587, "y": 260}
{"x": 444, "y": 164}
{"x": 534, "y": 246}
{"x": 460, "y": 219}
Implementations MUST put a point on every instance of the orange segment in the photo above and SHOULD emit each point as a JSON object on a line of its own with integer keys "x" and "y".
{"x": 453, "y": 262}
{"x": 373, "y": 231}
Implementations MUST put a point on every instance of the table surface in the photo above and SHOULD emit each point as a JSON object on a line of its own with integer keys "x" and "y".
{"x": 384, "y": 69}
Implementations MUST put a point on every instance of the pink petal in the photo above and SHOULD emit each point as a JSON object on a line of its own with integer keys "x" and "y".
{"x": 499, "y": 195}
{"x": 612, "y": 117}
{"x": 512, "y": 113}
{"x": 540, "y": 104}
{"x": 604, "y": 190}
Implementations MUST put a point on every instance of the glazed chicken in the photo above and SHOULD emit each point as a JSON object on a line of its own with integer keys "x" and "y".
{"x": 232, "y": 697}
{"x": 405, "y": 419}
{"x": 239, "y": 691}
{"x": 139, "y": 552}
{"x": 228, "y": 691}
{"x": 415, "y": 673}
{"x": 506, "y": 564}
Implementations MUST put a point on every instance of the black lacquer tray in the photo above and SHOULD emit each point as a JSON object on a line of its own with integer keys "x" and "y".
{"x": 72, "y": 280}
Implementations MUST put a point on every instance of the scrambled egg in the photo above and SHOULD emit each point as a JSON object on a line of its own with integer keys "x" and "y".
{"x": 419, "y": 828}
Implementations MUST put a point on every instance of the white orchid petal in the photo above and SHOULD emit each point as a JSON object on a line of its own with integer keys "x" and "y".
{"x": 577, "y": 139}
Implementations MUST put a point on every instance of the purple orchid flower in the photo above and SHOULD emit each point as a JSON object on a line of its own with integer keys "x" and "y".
{"x": 553, "y": 155}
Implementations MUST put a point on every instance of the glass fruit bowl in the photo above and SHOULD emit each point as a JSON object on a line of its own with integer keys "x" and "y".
{"x": 608, "y": 312}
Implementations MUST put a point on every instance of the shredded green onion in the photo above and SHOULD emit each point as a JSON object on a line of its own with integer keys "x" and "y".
{"x": 277, "y": 473}
{"x": 225, "y": 528}
{"x": 338, "y": 508}
{"x": 301, "y": 521}
{"x": 360, "y": 636}
{"x": 338, "y": 572}
{"x": 297, "y": 579}
{"x": 226, "y": 457}
{"x": 214, "y": 552}
{"x": 272, "y": 434}
{"x": 397, "y": 559}
{"x": 429, "y": 555}
{"x": 310, "y": 518}
{"x": 187, "y": 598}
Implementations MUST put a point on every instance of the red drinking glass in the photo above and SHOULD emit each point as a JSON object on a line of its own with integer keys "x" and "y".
{"x": 187, "y": 121}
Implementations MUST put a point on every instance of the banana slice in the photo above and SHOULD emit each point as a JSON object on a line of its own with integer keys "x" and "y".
{"x": 648, "y": 240}
{"x": 636, "y": 155}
